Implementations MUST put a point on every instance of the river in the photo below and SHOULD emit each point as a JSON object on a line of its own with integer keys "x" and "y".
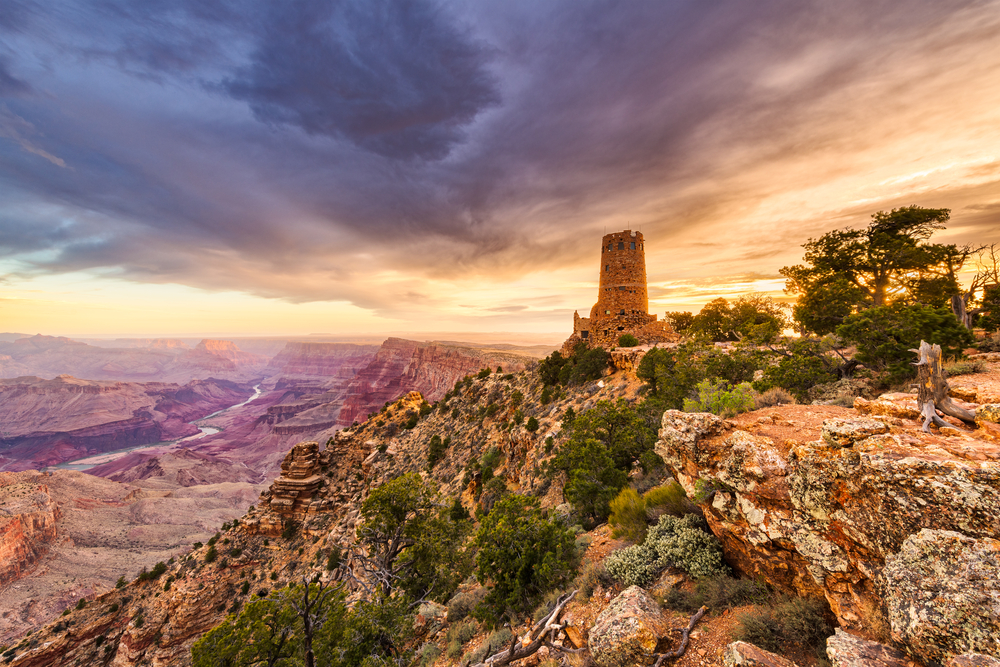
{"x": 88, "y": 462}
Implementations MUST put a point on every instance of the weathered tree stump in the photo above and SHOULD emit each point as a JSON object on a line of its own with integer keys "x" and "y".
{"x": 932, "y": 389}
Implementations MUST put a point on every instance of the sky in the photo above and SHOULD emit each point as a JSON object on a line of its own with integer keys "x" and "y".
{"x": 224, "y": 167}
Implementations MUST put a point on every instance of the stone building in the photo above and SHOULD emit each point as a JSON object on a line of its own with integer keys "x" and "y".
{"x": 622, "y": 302}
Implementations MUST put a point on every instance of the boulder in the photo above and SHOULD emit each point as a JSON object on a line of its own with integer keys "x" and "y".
{"x": 847, "y": 650}
{"x": 627, "y": 631}
{"x": 747, "y": 655}
{"x": 848, "y": 432}
{"x": 988, "y": 413}
{"x": 942, "y": 592}
{"x": 900, "y": 406}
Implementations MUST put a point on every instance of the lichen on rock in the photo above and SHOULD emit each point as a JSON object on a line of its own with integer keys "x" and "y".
{"x": 942, "y": 592}
{"x": 627, "y": 631}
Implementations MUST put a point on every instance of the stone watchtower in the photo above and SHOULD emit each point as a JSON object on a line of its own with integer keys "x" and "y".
{"x": 622, "y": 301}
{"x": 622, "y": 290}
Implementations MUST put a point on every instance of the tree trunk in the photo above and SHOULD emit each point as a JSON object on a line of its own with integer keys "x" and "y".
{"x": 932, "y": 389}
{"x": 960, "y": 308}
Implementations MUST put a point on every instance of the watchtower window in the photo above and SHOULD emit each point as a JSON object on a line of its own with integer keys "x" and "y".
{"x": 607, "y": 267}
{"x": 621, "y": 289}
{"x": 622, "y": 312}
{"x": 607, "y": 312}
{"x": 584, "y": 334}
{"x": 633, "y": 245}
{"x": 621, "y": 245}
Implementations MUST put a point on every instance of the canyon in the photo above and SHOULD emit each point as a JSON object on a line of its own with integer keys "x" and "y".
{"x": 151, "y": 504}
{"x": 855, "y": 506}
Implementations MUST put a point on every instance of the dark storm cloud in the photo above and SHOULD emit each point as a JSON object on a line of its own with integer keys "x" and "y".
{"x": 302, "y": 149}
{"x": 398, "y": 79}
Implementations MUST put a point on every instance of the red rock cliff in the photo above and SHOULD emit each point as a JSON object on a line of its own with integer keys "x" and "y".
{"x": 27, "y": 528}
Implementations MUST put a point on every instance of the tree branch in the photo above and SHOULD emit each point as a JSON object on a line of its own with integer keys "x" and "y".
{"x": 685, "y": 636}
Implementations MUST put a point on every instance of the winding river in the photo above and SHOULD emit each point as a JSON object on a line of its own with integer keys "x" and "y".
{"x": 89, "y": 462}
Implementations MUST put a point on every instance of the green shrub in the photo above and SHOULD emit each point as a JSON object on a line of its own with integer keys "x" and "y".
{"x": 523, "y": 555}
{"x": 965, "y": 367}
{"x": 669, "y": 498}
{"x": 483, "y": 374}
{"x": 719, "y": 399}
{"x": 628, "y": 515}
{"x": 245, "y": 588}
{"x": 495, "y": 642}
{"x": 425, "y": 408}
{"x": 436, "y": 450}
{"x": 454, "y": 413}
{"x": 113, "y": 608}
{"x": 772, "y": 397}
{"x": 532, "y": 424}
{"x": 684, "y": 543}
{"x": 462, "y": 604}
{"x": 591, "y": 576}
{"x": 289, "y": 530}
{"x": 120, "y": 583}
{"x": 717, "y": 593}
{"x": 627, "y": 340}
{"x": 791, "y": 622}
{"x": 462, "y": 631}
{"x": 680, "y": 542}
{"x": 81, "y": 604}
{"x": 211, "y": 554}
{"x": 411, "y": 423}
{"x": 428, "y": 654}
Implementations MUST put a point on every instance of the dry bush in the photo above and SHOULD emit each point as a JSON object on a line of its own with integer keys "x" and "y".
{"x": 772, "y": 397}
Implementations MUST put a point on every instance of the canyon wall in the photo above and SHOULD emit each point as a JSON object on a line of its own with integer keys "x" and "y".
{"x": 27, "y": 525}
{"x": 402, "y": 366}
{"x": 46, "y": 422}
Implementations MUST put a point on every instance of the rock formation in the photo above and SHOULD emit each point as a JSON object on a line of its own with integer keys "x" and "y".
{"x": 817, "y": 500}
{"x": 27, "y": 525}
{"x": 293, "y": 490}
{"x": 628, "y": 631}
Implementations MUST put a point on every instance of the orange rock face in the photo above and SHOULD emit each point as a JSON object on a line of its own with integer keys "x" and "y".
{"x": 27, "y": 527}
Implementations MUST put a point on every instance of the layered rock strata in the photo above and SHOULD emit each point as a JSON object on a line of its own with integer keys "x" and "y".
{"x": 27, "y": 525}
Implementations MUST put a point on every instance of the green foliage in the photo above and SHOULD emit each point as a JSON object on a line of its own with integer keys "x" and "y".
{"x": 627, "y": 340}
{"x": 211, "y": 554}
{"x": 717, "y": 593}
{"x": 516, "y": 398}
{"x": 681, "y": 542}
{"x": 546, "y": 396}
{"x": 605, "y": 442}
{"x": 591, "y": 576}
{"x": 462, "y": 605}
{"x": 990, "y": 319}
{"x": 411, "y": 422}
{"x": 680, "y": 321}
{"x": 497, "y": 641}
{"x": 428, "y": 654}
{"x": 436, "y": 450}
{"x": 789, "y": 623}
{"x": 884, "y": 336}
{"x": 671, "y": 375}
{"x": 804, "y": 367}
{"x": 425, "y": 408}
{"x": 669, "y": 498}
{"x": 583, "y": 365}
{"x": 454, "y": 413}
{"x": 245, "y": 588}
{"x": 289, "y": 530}
{"x": 522, "y": 554}
{"x": 965, "y": 367}
{"x": 483, "y": 374}
{"x": 120, "y": 583}
{"x": 848, "y": 271}
{"x": 532, "y": 424}
{"x": 753, "y": 317}
{"x": 81, "y": 604}
{"x": 628, "y": 515}
{"x": 719, "y": 399}
{"x": 334, "y": 558}
{"x": 412, "y": 537}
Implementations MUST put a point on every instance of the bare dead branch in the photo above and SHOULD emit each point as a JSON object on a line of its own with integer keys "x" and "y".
{"x": 685, "y": 636}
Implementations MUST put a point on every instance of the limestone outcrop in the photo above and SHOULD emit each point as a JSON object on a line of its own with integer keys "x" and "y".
{"x": 627, "y": 631}
{"x": 816, "y": 500}
{"x": 293, "y": 490}
{"x": 942, "y": 591}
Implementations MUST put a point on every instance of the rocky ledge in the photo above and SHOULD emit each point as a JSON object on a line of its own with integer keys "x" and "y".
{"x": 821, "y": 501}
